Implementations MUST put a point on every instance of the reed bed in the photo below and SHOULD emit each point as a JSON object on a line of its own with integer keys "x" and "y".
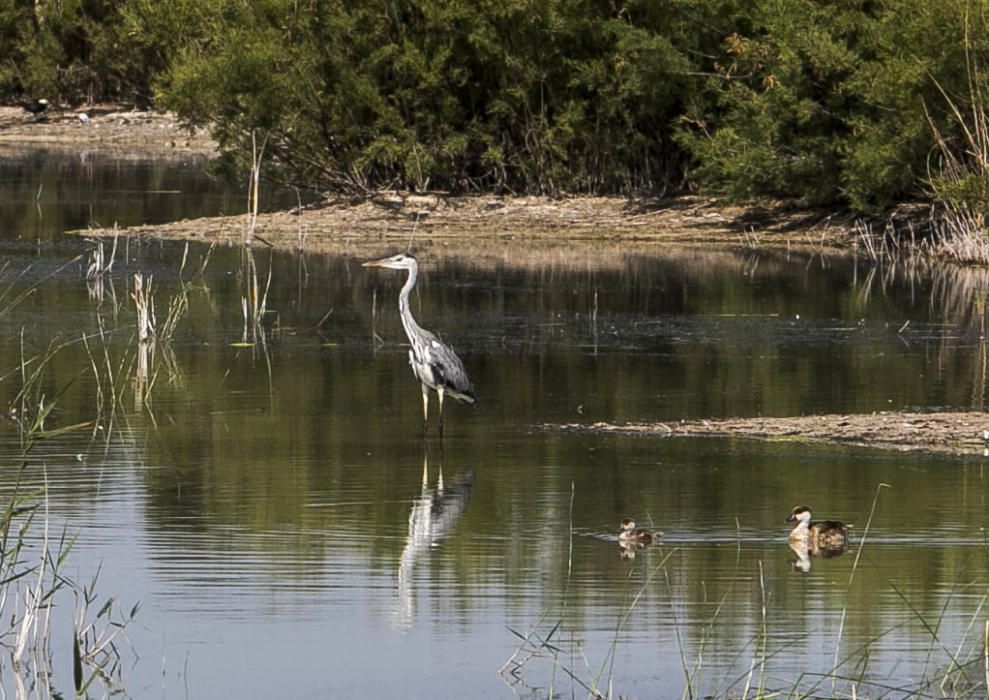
{"x": 958, "y": 179}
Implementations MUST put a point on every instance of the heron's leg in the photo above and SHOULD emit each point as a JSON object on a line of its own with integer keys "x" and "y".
{"x": 425, "y": 408}
{"x": 440, "y": 392}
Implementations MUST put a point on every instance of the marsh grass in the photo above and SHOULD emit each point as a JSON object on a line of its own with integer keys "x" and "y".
{"x": 959, "y": 181}
{"x": 99, "y": 269}
{"x": 253, "y": 189}
{"x": 97, "y": 638}
{"x": 32, "y": 563}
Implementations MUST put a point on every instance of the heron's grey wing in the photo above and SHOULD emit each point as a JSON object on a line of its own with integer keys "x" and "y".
{"x": 449, "y": 371}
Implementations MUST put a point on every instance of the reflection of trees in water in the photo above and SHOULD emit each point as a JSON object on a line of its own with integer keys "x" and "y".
{"x": 434, "y": 513}
{"x": 958, "y": 297}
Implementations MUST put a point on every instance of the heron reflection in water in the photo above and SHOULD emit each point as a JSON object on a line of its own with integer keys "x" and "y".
{"x": 434, "y": 514}
{"x": 434, "y": 364}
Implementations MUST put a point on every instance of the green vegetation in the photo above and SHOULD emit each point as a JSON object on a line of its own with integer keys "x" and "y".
{"x": 864, "y": 102}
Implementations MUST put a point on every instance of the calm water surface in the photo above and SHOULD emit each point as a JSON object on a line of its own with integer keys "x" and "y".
{"x": 286, "y": 530}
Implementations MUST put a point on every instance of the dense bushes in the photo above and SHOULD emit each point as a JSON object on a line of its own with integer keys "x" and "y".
{"x": 522, "y": 95}
{"x": 847, "y": 101}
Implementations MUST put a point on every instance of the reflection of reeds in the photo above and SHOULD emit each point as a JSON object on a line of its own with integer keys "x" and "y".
{"x": 178, "y": 305}
{"x": 960, "y": 296}
{"x": 98, "y": 271}
{"x": 254, "y": 299}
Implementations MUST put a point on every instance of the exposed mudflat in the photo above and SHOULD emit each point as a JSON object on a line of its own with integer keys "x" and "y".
{"x": 133, "y": 133}
{"x": 963, "y": 433}
{"x": 500, "y": 227}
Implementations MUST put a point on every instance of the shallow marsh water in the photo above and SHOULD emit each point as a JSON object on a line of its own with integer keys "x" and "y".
{"x": 266, "y": 504}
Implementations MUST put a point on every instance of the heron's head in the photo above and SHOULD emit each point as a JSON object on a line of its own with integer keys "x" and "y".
{"x": 402, "y": 261}
{"x": 801, "y": 513}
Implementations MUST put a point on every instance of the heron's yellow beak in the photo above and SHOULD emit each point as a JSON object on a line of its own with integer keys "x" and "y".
{"x": 375, "y": 263}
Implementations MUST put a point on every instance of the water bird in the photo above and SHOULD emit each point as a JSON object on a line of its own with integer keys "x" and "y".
{"x": 35, "y": 107}
{"x": 817, "y": 536}
{"x": 630, "y": 534}
{"x": 434, "y": 364}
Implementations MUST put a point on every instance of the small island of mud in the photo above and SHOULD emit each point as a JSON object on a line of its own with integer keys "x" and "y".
{"x": 441, "y": 219}
{"x": 962, "y": 433}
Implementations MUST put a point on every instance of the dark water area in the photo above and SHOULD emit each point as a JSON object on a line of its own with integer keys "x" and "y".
{"x": 43, "y": 193}
{"x": 286, "y": 529}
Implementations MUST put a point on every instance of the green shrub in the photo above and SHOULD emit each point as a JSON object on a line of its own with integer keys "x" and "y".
{"x": 856, "y": 103}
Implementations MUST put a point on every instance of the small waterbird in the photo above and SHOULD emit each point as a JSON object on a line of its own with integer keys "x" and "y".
{"x": 821, "y": 535}
{"x": 630, "y": 534}
{"x": 35, "y": 107}
{"x": 434, "y": 364}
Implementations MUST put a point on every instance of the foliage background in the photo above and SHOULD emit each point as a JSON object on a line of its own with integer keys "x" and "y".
{"x": 846, "y": 102}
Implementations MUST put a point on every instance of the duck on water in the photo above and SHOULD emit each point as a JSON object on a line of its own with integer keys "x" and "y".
{"x": 630, "y": 534}
{"x": 821, "y": 535}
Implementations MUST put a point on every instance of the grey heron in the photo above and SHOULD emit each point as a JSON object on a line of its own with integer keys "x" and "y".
{"x": 434, "y": 364}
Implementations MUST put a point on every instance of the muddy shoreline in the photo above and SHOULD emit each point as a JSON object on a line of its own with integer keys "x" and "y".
{"x": 125, "y": 132}
{"x": 963, "y": 433}
{"x": 492, "y": 226}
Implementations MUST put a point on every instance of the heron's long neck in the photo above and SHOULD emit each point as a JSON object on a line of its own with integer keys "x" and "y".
{"x": 412, "y": 329}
